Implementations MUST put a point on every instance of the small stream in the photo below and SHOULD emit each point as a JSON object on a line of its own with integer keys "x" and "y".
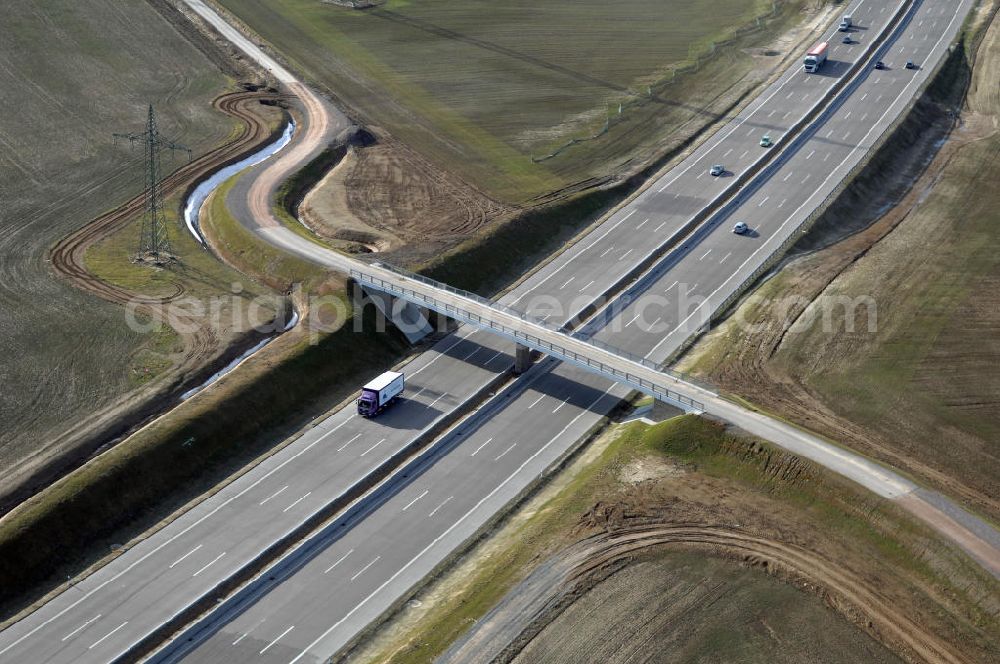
{"x": 192, "y": 210}
{"x": 197, "y": 199}
{"x": 292, "y": 322}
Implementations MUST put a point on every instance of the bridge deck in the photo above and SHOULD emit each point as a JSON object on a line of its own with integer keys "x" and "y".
{"x": 634, "y": 371}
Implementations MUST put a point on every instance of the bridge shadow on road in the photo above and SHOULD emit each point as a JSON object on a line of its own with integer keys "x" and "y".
{"x": 833, "y": 68}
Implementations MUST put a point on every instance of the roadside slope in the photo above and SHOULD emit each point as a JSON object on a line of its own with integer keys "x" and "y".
{"x": 689, "y": 499}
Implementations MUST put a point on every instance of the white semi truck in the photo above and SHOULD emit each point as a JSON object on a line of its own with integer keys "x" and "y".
{"x": 815, "y": 58}
{"x": 379, "y": 393}
{"x": 846, "y": 23}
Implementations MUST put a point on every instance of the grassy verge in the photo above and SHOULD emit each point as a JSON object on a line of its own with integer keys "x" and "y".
{"x": 295, "y": 188}
{"x": 486, "y": 263}
{"x": 255, "y": 257}
{"x": 740, "y": 480}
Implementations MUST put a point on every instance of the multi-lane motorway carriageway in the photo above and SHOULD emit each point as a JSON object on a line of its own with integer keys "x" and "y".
{"x": 350, "y": 577}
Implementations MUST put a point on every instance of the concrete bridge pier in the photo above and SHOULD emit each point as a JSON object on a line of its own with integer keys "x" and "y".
{"x": 522, "y": 359}
{"x": 407, "y": 317}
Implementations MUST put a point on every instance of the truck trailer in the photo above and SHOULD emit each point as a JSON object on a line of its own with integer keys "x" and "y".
{"x": 815, "y": 58}
{"x": 379, "y": 393}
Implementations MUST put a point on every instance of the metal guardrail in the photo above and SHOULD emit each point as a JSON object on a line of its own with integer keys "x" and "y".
{"x": 789, "y": 139}
{"x": 657, "y": 390}
{"x": 796, "y": 234}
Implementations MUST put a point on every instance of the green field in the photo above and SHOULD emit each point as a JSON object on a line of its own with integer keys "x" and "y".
{"x": 480, "y": 87}
{"x": 73, "y": 72}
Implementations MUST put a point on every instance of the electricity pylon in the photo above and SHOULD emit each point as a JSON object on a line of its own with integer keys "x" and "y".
{"x": 154, "y": 241}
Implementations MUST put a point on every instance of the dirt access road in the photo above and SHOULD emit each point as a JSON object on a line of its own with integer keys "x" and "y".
{"x": 506, "y": 632}
{"x": 68, "y": 254}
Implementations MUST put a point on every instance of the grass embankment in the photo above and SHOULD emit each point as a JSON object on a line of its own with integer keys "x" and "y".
{"x": 241, "y": 248}
{"x": 692, "y": 472}
{"x": 295, "y": 188}
{"x": 183, "y": 454}
{"x": 503, "y": 83}
{"x": 485, "y": 263}
{"x": 920, "y": 389}
{"x": 126, "y": 490}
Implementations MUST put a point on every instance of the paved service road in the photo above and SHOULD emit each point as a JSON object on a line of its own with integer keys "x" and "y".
{"x": 335, "y": 593}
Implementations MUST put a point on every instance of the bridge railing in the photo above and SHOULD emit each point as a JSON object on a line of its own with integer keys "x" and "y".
{"x": 657, "y": 389}
{"x": 614, "y": 350}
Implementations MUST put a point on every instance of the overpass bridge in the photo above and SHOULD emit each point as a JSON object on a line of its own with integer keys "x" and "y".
{"x": 530, "y": 333}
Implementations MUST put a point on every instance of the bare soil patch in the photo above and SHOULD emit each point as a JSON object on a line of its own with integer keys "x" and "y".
{"x": 386, "y": 198}
{"x": 667, "y": 603}
{"x": 734, "y": 551}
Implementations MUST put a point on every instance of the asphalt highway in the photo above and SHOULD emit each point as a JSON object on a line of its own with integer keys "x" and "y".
{"x": 356, "y": 574}
{"x": 322, "y": 598}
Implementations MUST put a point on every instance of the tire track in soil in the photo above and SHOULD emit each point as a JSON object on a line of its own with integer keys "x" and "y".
{"x": 201, "y": 350}
{"x": 503, "y": 635}
{"x": 864, "y": 605}
{"x": 67, "y": 256}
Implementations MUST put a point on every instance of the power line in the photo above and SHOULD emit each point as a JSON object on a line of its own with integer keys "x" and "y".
{"x": 154, "y": 239}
